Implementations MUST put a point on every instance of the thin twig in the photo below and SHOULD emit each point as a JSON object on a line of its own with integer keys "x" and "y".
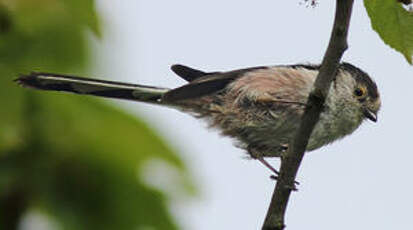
{"x": 291, "y": 162}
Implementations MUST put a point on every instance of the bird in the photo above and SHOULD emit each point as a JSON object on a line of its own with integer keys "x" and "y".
{"x": 260, "y": 107}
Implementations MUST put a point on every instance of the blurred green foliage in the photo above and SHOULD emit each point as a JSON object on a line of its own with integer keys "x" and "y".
{"x": 393, "y": 23}
{"x": 74, "y": 158}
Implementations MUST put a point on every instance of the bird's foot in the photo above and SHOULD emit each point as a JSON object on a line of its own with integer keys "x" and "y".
{"x": 256, "y": 155}
{"x": 292, "y": 187}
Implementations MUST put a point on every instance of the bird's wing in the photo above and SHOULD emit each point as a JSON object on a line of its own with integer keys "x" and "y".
{"x": 202, "y": 83}
{"x": 188, "y": 73}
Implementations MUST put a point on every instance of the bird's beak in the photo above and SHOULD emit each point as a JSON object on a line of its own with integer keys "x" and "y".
{"x": 372, "y": 116}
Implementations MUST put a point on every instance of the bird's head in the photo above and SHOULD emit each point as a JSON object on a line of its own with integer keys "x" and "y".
{"x": 364, "y": 91}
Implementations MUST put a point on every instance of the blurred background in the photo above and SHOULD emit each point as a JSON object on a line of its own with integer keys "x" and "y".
{"x": 75, "y": 162}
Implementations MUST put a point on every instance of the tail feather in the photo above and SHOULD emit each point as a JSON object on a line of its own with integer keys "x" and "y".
{"x": 102, "y": 88}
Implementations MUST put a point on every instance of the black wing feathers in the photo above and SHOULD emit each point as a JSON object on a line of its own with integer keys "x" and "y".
{"x": 196, "y": 89}
{"x": 187, "y": 73}
{"x": 203, "y": 85}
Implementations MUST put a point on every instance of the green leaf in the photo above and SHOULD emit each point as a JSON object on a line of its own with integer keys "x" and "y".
{"x": 76, "y": 158}
{"x": 80, "y": 160}
{"x": 393, "y": 23}
{"x": 83, "y": 11}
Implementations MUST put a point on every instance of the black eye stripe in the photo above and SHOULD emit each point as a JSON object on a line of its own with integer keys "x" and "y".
{"x": 362, "y": 78}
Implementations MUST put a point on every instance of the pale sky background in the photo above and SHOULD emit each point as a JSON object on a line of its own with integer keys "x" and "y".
{"x": 361, "y": 182}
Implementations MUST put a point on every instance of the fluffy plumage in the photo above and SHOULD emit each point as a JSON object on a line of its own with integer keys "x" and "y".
{"x": 260, "y": 107}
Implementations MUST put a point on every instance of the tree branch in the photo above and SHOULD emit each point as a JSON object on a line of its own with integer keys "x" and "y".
{"x": 291, "y": 162}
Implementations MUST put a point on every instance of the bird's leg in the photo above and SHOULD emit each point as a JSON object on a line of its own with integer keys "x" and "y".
{"x": 258, "y": 156}
{"x": 266, "y": 164}
{"x": 284, "y": 150}
{"x": 255, "y": 154}
{"x": 275, "y": 177}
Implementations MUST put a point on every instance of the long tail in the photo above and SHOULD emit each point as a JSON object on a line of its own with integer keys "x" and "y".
{"x": 111, "y": 89}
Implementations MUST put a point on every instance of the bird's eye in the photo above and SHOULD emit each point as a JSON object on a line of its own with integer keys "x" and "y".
{"x": 360, "y": 92}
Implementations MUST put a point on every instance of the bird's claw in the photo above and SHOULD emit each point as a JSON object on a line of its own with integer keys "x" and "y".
{"x": 292, "y": 187}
